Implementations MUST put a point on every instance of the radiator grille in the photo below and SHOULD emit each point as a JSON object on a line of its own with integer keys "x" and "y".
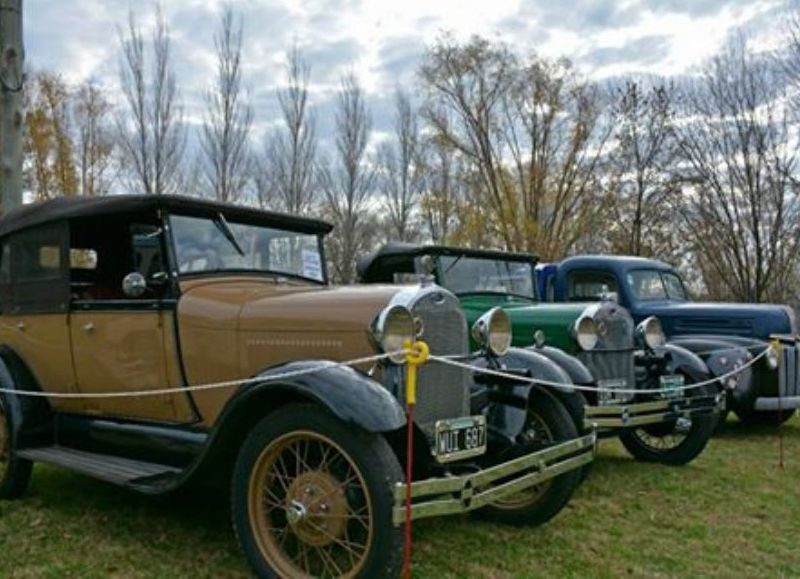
{"x": 442, "y": 391}
{"x": 715, "y": 325}
{"x": 612, "y": 360}
{"x": 611, "y": 365}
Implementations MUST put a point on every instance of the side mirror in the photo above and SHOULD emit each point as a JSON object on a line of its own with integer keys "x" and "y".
{"x": 134, "y": 285}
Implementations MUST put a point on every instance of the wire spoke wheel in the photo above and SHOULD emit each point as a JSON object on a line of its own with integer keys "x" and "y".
{"x": 665, "y": 437}
{"x": 542, "y": 436}
{"x": 5, "y": 442}
{"x": 310, "y": 508}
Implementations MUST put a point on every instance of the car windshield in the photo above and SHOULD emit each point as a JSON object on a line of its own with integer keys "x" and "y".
{"x": 651, "y": 284}
{"x": 212, "y": 245}
{"x": 463, "y": 274}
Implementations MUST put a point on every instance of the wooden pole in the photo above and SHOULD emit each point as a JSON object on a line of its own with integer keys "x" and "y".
{"x": 11, "y": 116}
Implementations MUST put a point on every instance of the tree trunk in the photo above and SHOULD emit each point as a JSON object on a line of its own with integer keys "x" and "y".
{"x": 11, "y": 59}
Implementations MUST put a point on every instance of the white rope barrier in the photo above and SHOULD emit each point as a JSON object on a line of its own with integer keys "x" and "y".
{"x": 517, "y": 378}
{"x": 326, "y": 365}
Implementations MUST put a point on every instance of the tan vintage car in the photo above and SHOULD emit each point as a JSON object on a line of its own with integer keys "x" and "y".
{"x": 113, "y": 306}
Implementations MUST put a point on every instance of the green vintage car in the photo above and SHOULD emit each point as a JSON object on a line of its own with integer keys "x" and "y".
{"x": 597, "y": 345}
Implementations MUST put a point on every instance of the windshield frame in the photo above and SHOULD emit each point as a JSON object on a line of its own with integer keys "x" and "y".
{"x": 442, "y": 269}
{"x": 661, "y": 275}
{"x": 227, "y": 272}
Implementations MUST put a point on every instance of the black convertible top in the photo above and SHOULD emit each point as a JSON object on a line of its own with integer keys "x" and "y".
{"x": 398, "y": 257}
{"x": 72, "y": 207}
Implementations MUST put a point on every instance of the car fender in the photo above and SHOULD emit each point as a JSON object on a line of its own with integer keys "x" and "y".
{"x": 350, "y": 395}
{"x": 508, "y": 417}
{"x": 719, "y": 353}
{"x": 681, "y": 360}
{"x": 577, "y": 370}
{"x": 538, "y": 366}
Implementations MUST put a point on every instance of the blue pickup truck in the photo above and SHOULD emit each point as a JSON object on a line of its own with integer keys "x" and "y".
{"x": 648, "y": 287}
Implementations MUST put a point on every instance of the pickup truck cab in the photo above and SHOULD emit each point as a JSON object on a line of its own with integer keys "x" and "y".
{"x": 648, "y": 287}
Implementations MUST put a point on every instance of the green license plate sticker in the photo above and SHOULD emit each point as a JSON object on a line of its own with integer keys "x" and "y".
{"x": 671, "y": 385}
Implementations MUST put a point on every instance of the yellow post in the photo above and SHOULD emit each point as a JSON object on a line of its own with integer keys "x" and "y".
{"x": 416, "y": 355}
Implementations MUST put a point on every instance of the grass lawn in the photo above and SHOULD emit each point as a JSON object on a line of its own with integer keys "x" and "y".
{"x": 733, "y": 512}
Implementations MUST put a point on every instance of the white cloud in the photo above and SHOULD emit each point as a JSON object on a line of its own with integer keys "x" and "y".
{"x": 382, "y": 41}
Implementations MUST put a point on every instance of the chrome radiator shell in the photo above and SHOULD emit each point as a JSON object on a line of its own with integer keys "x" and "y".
{"x": 442, "y": 391}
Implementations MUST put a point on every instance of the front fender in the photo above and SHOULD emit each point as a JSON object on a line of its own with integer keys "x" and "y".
{"x": 537, "y": 365}
{"x": 681, "y": 360}
{"x": 577, "y": 370}
{"x": 721, "y": 354}
{"x": 349, "y": 394}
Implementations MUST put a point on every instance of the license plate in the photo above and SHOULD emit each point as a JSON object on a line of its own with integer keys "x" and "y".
{"x": 459, "y": 438}
{"x": 606, "y": 395}
{"x": 671, "y": 385}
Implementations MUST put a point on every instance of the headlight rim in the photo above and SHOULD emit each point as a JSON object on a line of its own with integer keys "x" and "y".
{"x": 380, "y": 332}
{"x": 644, "y": 333}
{"x": 482, "y": 331}
{"x": 578, "y": 331}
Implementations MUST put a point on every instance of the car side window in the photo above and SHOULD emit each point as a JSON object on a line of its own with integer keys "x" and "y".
{"x": 591, "y": 286}
{"x": 102, "y": 253}
{"x": 34, "y": 265}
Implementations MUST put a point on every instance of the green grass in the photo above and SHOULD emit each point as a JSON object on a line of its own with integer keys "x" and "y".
{"x": 733, "y": 512}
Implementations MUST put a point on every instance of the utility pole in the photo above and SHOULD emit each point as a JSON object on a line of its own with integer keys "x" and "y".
{"x": 11, "y": 81}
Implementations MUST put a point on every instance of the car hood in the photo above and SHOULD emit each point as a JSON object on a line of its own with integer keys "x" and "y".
{"x": 255, "y": 305}
{"x": 750, "y": 320}
{"x": 555, "y": 320}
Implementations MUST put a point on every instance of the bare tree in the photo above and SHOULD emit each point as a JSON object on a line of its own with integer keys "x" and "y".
{"x": 348, "y": 180}
{"x": 291, "y": 150}
{"x": 226, "y": 130}
{"x": 741, "y": 209}
{"x": 94, "y": 142}
{"x": 402, "y": 167}
{"x": 151, "y": 132}
{"x": 532, "y": 132}
{"x": 640, "y": 167}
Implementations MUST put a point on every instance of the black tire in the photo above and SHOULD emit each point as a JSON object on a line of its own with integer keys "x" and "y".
{"x": 640, "y": 441}
{"x": 15, "y": 472}
{"x": 553, "y": 495}
{"x": 764, "y": 417}
{"x": 357, "y": 455}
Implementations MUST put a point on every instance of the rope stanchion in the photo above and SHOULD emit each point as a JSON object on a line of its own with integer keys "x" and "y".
{"x": 416, "y": 355}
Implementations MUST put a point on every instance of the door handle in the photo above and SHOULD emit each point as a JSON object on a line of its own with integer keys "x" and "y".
{"x": 88, "y": 328}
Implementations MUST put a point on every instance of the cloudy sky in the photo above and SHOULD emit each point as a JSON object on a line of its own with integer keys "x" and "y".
{"x": 382, "y": 41}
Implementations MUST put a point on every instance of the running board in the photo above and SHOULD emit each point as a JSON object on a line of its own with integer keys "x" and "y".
{"x": 143, "y": 476}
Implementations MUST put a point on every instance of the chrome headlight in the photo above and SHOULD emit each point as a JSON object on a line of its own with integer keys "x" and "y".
{"x": 492, "y": 332}
{"x": 651, "y": 333}
{"x": 393, "y": 327}
{"x": 585, "y": 332}
{"x": 772, "y": 357}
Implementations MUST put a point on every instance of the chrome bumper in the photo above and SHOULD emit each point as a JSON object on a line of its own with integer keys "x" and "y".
{"x": 788, "y": 397}
{"x": 655, "y": 412}
{"x": 460, "y": 494}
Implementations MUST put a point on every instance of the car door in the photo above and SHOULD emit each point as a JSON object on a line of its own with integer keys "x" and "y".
{"x": 123, "y": 342}
{"x": 35, "y": 297}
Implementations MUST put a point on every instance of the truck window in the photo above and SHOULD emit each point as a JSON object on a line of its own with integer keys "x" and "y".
{"x": 591, "y": 286}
